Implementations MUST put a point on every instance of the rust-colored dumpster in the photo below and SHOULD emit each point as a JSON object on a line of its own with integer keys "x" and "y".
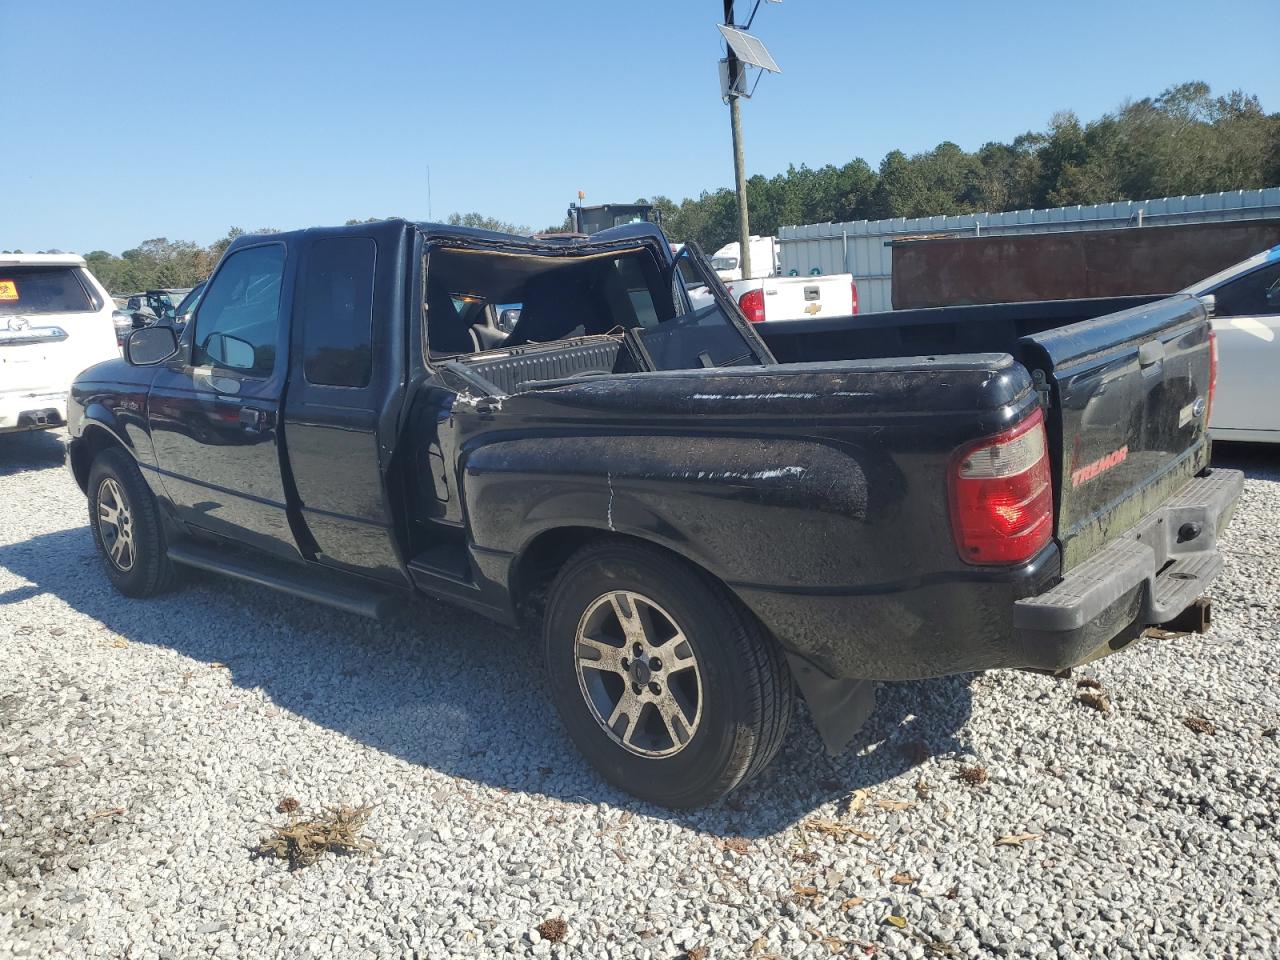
{"x": 939, "y": 272}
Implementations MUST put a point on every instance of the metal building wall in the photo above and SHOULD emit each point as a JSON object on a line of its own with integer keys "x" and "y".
{"x": 859, "y": 247}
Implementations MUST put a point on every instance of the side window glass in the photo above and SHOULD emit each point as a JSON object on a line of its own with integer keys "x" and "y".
{"x": 1251, "y": 295}
{"x": 238, "y": 321}
{"x": 337, "y": 301}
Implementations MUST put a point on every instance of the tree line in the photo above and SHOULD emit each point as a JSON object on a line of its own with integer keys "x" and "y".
{"x": 1184, "y": 141}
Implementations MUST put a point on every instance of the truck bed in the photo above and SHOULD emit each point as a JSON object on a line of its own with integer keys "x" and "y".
{"x": 1125, "y": 381}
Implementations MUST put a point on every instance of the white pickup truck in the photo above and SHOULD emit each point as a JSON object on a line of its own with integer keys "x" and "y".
{"x": 789, "y": 298}
{"x": 55, "y": 320}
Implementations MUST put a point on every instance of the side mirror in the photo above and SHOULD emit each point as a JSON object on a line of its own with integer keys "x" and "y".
{"x": 144, "y": 317}
{"x": 150, "y": 345}
{"x": 507, "y": 320}
{"x": 1210, "y": 304}
{"x": 231, "y": 352}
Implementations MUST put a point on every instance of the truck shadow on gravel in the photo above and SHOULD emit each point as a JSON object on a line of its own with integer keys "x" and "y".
{"x": 37, "y": 450}
{"x": 456, "y": 694}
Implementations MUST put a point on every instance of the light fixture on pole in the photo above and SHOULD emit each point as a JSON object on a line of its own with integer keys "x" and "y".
{"x": 743, "y": 51}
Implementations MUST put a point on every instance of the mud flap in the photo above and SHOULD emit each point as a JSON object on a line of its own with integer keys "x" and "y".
{"x": 839, "y": 707}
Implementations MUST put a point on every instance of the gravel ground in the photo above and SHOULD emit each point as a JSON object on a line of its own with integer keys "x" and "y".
{"x": 144, "y": 747}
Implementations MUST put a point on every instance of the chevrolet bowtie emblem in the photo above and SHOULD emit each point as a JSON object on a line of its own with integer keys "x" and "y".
{"x": 812, "y": 308}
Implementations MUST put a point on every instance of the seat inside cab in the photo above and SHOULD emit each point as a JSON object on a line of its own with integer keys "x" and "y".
{"x": 517, "y": 318}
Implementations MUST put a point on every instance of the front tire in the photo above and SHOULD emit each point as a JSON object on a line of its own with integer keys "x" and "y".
{"x": 126, "y": 526}
{"x": 665, "y": 683}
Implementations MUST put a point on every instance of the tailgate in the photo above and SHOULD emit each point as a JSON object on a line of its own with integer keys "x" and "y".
{"x": 1128, "y": 415}
{"x": 806, "y": 298}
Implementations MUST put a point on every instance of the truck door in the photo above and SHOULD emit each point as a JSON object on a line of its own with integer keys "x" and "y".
{"x": 342, "y": 371}
{"x": 214, "y": 410}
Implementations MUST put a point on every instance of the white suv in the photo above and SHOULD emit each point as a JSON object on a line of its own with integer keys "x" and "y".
{"x": 55, "y": 320}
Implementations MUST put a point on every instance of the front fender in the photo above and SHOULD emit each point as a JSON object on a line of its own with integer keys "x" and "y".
{"x": 99, "y": 417}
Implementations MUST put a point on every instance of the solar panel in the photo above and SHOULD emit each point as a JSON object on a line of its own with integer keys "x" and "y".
{"x": 748, "y": 49}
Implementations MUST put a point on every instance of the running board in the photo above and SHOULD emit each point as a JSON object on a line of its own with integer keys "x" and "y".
{"x": 320, "y": 586}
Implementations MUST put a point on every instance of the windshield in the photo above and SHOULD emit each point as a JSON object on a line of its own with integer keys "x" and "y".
{"x": 1239, "y": 269}
{"x": 30, "y": 290}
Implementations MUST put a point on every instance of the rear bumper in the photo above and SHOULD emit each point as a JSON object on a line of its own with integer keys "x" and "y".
{"x": 1020, "y": 617}
{"x": 1148, "y": 576}
{"x": 32, "y": 410}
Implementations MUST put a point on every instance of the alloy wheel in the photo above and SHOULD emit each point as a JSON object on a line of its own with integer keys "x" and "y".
{"x": 638, "y": 674}
{"x": 115, "y": 525}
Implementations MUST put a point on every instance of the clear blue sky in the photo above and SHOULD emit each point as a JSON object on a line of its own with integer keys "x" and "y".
{"x": 122, "y": 122}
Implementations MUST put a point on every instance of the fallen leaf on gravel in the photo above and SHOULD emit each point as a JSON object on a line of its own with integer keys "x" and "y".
{"x": 303, "y": 842}
{"x": 903, "y": 879}
{"x": 922, "y": 789}
{"x": 696, "y": 953}
{"x": 113, "y": 812}
{"x": 894, "y": 805}
{"x": 218, "y": 666}
{"x": 1017, "y": 839}
{"x": 852, "y": 902}
{"x": 287, "y": 805}
{"x": 973, "y": 776}
{"x": 804, "y": 891}
{"x": 553, "y": 930}
{"x": 857, "y": 800}
{"x": 896, "y": 920}
{"x": 1088, "y": 683}
{"x": 1096, "y": 699}
{"x": 953, "y": 892}
{"x": 805, "y": 856}
{"x": 119, "y": 643}
{"x": 739, "y": 845}
{"x": 834, "y": 944}
{"x": 1199, "y": 725}
{"x": 834, "y": 828}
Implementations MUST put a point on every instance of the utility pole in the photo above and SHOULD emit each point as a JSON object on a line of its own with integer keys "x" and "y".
{"x": 739, "y": 164}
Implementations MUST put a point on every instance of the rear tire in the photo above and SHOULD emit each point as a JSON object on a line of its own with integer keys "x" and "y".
{"x": 126, "y": 526}
{"x": 631, "y": 629}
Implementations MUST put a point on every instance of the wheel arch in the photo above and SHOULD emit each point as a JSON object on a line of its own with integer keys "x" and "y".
{"x": 83, "y": 450}
{"x": 538, "y": 562}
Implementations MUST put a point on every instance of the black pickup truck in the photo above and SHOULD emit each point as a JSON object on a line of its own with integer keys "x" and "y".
{"x": 700, "y": 530}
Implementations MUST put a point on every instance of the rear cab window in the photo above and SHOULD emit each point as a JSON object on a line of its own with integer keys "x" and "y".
{"x": 337, "y": 302}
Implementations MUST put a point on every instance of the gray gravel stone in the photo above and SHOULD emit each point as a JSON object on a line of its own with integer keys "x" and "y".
{"x": 137, "y": 777}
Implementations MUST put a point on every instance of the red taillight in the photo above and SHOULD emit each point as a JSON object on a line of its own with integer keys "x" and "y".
{"x": 752, "y": 304}
{"x": 855, "y": 297}
{"x": 1213, "y": 373}
{"x": 1002, "y": 495}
